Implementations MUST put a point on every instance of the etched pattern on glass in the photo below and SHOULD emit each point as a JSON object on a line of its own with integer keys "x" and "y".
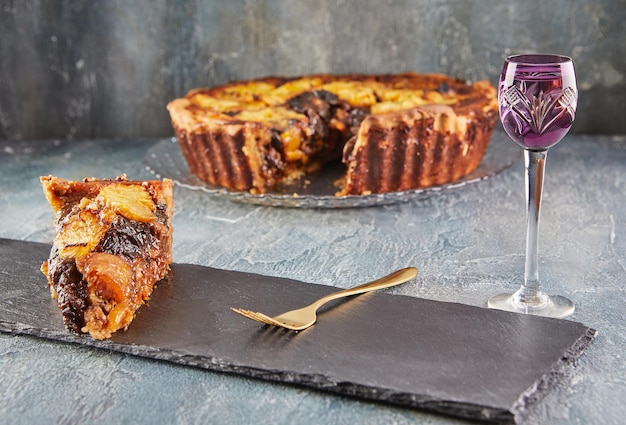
{"x": 540, "y": 111}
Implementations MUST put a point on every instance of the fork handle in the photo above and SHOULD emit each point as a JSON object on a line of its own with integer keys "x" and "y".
{"x": 392, "y": 279}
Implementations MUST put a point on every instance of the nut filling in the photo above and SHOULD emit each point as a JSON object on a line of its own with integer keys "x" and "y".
{"x": 113, "y": 243}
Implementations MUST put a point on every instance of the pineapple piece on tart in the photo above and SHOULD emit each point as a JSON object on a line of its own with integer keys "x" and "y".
{"x": 113, "y": 243}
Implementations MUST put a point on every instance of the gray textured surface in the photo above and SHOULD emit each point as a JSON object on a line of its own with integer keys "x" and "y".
{"x": 83, "y": 69}
{"x": 468, "y": 245}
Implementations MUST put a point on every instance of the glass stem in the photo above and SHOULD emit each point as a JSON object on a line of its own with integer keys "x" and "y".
{"x": 529, "y": 293}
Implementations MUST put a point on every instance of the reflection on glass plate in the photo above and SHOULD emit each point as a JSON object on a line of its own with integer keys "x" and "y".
{"x": 166, "y": 160}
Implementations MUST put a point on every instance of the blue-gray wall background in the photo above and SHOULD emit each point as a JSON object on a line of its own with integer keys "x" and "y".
{"x": 95, "y": 69}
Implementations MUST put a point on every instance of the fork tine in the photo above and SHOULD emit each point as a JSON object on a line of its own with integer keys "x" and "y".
{"x": 240, "y": 311}
{"x": 245, "y": 313}
{"x": 253, "y": 315}
{"x": 266, "y": 319}
{"x": 260, "y": 317}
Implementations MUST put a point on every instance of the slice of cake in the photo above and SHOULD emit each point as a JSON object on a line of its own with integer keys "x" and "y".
{"x": 113, "y": 242}
{"x": 394, "y": 132}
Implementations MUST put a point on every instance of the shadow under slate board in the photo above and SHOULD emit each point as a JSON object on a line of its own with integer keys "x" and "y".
{"x": 451, "y": 358}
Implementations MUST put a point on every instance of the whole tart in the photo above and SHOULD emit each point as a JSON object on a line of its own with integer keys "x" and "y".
{"x": 113, "y": 242}
{"x": 393, "y": 132}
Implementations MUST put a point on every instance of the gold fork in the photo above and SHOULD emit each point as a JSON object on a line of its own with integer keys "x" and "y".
{"x": 304, "y": 317}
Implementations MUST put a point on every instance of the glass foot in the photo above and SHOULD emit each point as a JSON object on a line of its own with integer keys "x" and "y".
{"x": 552, "y": 305}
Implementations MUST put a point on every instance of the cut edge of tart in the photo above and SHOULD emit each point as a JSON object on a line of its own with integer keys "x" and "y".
{"x": 112, "y": 244}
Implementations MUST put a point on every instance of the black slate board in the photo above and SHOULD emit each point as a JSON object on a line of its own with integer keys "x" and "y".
{"x": 450, "y": 358}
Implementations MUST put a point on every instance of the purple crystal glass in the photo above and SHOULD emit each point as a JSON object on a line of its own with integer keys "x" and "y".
{"x": 537, "y": 96}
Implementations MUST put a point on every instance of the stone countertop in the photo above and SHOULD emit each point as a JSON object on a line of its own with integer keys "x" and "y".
{"x": 467, "y": 243}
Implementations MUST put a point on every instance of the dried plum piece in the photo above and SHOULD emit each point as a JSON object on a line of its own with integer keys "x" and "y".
{"x": 316, "y": 103}
{"x": 71, "y": 292}
{"x": 126, "y": 237}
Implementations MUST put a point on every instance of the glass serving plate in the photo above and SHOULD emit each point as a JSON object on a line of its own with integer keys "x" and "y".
{"x": 166, "y": 160}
